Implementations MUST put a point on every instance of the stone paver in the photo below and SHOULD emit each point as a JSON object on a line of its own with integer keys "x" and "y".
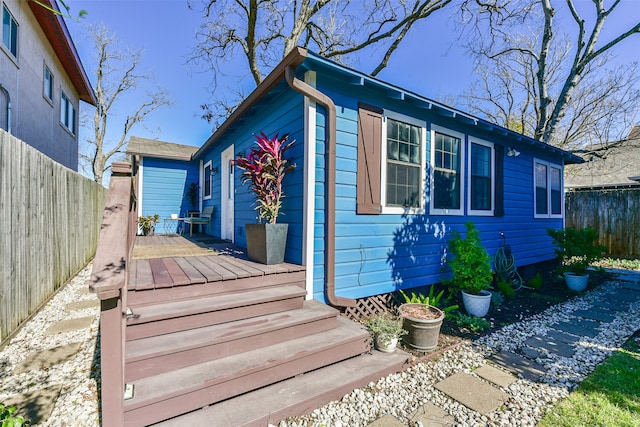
{"x": 552, "y": 346}
{"x": 472, "y": 392}
{"x": 624, "y": 297}
{"x": 81, "y": 305}
{"x": 432, "y": 416}
{"x": 519, "y": 365}
{"x": 387, "y": 421}
{"x": 35, "y": 406}
{"x": 46, "y": 358}
{"x": 69, "y": 325}
{"x": 612, "y": 306}
{"x": 596, "y": 313}
{"x": 531, "y": 353}
{"x": 562, "y": 336}
{"x": 495, "y": 375}
{"x": 580, "y": 327}
{"x": 634, "y": 286}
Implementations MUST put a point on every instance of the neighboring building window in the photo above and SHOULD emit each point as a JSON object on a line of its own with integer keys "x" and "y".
{"x": 548, "y": 189}
{"x": 48, "y": 83}
{"x": 9, "y": 32}
{"x": 67, "y": 113}
{"x": 207, "y": 180}
{"x": 447, "y": 187}
{"x": 481, "y": 178}
{"x": 404, "y": 164}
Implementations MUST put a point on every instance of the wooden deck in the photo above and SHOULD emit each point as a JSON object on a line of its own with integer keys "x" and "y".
{"x": 165, "y": 261}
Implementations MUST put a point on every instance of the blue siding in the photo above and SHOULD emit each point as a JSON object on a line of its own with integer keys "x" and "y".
{"x": 382, "y": 253}
{"x": 164, "y": 183}
{"x": 281, "y": 114}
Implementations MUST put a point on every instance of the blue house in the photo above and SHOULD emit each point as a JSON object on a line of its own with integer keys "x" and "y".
{"x": 383, "y": 177}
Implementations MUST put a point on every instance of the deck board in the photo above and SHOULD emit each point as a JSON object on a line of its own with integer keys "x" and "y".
{"x": 180, "y": 264}
{"x": 161, "y": 277}
{"x": 178, "y": 276}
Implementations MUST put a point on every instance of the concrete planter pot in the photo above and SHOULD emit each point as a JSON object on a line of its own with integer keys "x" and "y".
{"x": 477, "y": 305}
{"x": 266, "y": 243}
{"x": 386, "y": 344}
{"x": 422, "y": 322}
{"x": 576, "y": 282}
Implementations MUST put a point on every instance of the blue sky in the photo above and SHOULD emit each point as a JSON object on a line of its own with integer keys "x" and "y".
{"x": 429, "y": 61}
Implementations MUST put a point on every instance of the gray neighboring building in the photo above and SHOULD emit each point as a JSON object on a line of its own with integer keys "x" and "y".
{"x": 41, "y": 80}
{"x": 618, "y": 167}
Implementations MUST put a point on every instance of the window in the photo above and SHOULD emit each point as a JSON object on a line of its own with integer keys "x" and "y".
{"x": 447, "y": 185}
{"x": 9, "y": 32}
{"x": 548, "y": 189}
{"x": 481, "y": 178}
{"x": 67, "y": 113}
{"x": 48, "y": 84}
{"x": 404, "y": 164}
{"x": 207, "y": 180}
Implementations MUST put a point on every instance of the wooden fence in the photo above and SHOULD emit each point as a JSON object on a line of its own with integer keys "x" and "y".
{"x": 50, "y": 218}
{"x": 615, "y": 213}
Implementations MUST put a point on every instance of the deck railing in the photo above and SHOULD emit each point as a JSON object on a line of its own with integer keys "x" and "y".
{"x": 109, "y": 281}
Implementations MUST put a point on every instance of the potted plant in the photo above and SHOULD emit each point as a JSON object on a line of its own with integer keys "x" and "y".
{"x": 576, "y": 250}
{"x": 470, "y": 271}
{"x": 192, "y": 195}
{"x": 148, "y": 224}
{"x": 422, "y": 319}
{"x": 265, "y": 168}
{"x": 386, "y": 331}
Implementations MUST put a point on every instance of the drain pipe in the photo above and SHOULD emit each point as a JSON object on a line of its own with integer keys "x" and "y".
{"x": 6, "y": 93}
{"x": 330, "y": 198}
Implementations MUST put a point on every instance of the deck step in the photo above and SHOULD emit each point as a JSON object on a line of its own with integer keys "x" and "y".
{"x": 183, "y": 390}
{"x": 154, "y": 355}
{"x": 295, "y": 396}
{"x": 187, "y": 314}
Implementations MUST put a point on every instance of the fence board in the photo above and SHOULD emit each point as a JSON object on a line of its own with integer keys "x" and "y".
{"x": 613, "y": 212}
{"x": 50, "y": 218}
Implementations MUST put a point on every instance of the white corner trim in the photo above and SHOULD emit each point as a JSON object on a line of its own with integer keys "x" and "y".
{"x": 140, "y": 185}
{"x": 309, "y": 185}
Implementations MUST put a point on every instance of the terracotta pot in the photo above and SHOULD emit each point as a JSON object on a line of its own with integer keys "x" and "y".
{"x": 422, "y": 322}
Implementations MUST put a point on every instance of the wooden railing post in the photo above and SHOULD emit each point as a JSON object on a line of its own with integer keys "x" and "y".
{"x": 109, "y": 281}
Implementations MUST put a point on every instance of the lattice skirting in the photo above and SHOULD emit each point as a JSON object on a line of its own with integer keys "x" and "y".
{"x": 370, "y": 306}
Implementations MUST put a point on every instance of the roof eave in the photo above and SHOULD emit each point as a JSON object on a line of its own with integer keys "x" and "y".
{"x": 294, "y": 58}
{"x": 57, "y": 34}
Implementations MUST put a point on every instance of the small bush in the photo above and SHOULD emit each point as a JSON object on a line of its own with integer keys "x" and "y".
{"x": 506, "y": 288}
{"x": 535, "y": 282}
{"x": 473, "y": 323}
{"x": 7, "y": 419}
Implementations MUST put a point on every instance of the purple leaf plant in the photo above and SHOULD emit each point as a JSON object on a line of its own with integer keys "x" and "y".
{"x": 265, "y": 167}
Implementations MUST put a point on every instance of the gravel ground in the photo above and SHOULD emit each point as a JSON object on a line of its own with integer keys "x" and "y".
{"x": 398, "y": 394}
{"x": 401, "y": 394}
{"x": 77, "y": 404}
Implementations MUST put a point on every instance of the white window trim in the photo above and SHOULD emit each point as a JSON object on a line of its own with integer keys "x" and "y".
{"x": 7, "y": 49}
{"x": 491, "y": 211}
{"x": 383, "y": 164}
{"x": 44, "y": 84}
{"x": 549, "y": 165}
{"x": 204, "y": 168}
{"x": 64, "y": 98}
{"x": 463, "y": 139}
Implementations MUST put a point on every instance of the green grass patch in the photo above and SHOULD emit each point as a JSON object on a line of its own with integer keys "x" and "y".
{"x": 610, "y": 396}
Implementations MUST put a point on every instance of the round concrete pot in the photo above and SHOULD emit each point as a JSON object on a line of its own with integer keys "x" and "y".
{"x": 422, "y": 322}
{"x": 576, "y": 282}
{"x": 477, "y": 305}
{"x": 386, "y": 344}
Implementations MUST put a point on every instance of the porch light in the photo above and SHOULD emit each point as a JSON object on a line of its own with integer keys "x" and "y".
{"x": 512, "y": 152}
{"x": 214, "y": 171}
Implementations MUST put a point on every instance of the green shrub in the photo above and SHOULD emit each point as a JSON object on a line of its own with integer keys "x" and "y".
{"x": 576, "y": 249}
{"x": 473, "y": 323}
{"x": 7, "y": 419}
{"x": 506, "y": 288}
{"x": 470, "y": 263}
{"x": 536, "y": 281}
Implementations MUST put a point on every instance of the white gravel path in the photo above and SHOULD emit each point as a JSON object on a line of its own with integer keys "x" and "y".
{"x": 398, "y": 394}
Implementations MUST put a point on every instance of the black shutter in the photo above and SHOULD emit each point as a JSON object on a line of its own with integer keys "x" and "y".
{"x": 368, "y": 183}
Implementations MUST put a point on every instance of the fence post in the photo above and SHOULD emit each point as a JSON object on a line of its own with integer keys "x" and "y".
{"x": 109, "y": 281}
